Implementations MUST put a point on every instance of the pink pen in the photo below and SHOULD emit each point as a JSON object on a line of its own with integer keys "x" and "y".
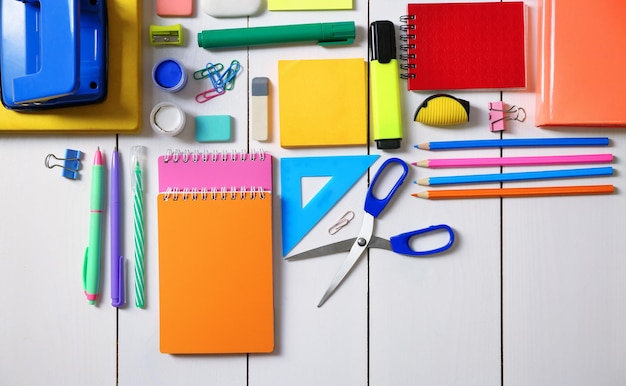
{"x": 515, "y": 161}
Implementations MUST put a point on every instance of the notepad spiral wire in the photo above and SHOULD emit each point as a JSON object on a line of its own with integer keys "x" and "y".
{"x": 406, "y": 46}
{"x": 214, "y": 174}
{"x": 186, "y": 155}
{"x": 214, "y": 193}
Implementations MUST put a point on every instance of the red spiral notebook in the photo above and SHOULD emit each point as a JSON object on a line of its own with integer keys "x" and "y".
{"x": 453, "y": 46}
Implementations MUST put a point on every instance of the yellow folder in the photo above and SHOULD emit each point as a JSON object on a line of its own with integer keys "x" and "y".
{"x": 121, "y": 111}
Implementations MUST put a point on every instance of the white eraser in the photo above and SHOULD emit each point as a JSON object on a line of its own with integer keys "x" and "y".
{"x": 226, "y": 8}
{"x": 259, "y": 109}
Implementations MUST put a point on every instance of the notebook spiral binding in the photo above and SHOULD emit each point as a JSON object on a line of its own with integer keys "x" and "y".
{"x": 214, "y": 193}
{"x": 177, "y": 155}
{"x": 406, "y": 36}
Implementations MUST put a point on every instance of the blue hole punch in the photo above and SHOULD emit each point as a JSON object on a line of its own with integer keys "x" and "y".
{"x": 53, "y": 53}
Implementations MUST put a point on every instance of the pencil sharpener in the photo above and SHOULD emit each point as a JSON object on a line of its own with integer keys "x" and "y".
{"x": 166, "y": 35}
{"x": 53, "y": 53}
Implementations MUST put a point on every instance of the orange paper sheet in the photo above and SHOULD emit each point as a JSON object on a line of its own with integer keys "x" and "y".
{"x": 581, "y": 54}
{"x": 322, "y": 102}
{"x": 215, "y": 275}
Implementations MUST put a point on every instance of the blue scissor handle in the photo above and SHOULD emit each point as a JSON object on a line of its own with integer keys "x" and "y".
{"x": 401, "y": 243}
{"x": 374, "y": 205}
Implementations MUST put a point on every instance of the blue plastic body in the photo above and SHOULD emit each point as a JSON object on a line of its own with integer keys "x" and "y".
{"x": 53, "y": 53}
{"x": 374, "y": 205}
{"x": 402, "y": 243}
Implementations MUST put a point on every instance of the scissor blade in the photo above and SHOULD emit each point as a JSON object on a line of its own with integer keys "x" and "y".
{"x": 380, "y": 243}
{"x": 340, "y": 246}
{"x": 359, "y": 246}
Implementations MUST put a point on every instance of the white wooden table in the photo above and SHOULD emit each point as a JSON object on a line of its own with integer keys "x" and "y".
{"x": 531, "y": 294}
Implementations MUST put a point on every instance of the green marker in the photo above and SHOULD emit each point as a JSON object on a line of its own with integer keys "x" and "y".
{"x": 385, "y": 86}
{"x": 91, "y": 262}
{"x": 324, "y": 34}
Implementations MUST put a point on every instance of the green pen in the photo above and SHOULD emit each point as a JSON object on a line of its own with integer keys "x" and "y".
{"x": 91, "y": 262}
{"x": 323, "y": 34}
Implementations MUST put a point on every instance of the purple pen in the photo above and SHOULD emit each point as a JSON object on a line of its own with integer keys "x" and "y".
{"x": 117, "y": 261}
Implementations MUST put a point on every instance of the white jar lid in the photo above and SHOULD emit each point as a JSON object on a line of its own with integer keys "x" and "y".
{"x": 167, "y": 118}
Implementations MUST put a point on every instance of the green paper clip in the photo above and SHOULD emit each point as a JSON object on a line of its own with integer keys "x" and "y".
{"x": 166, "y": 35}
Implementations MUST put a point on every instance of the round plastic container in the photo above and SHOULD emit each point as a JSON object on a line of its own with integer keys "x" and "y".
{"x": 169, "y": 75}
{"x": 167, "y": 118}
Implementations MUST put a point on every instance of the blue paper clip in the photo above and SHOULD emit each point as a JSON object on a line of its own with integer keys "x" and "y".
{"x": 203, "y": 73}
{"x": 221, "y": 81}
{"x": 215, "y": 77}
{"x": 71, "y": 163}
{"x": 228, "y": 78}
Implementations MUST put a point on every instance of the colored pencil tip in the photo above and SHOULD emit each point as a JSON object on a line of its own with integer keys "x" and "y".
{"x": 423, "y": 146}
{"x": 420, "y": 194}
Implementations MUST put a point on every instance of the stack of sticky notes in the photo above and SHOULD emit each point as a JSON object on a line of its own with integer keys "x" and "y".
{"x": 322, "y": 102}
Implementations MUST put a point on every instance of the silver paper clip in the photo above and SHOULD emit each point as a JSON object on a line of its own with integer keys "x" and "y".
{"x": 342, "y": 222}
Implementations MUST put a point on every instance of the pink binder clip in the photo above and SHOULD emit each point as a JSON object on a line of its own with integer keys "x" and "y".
{"x": 498, "y": 113}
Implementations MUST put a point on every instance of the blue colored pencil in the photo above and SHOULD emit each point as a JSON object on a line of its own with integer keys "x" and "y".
{"x": 519, "y": 176}
{"x": 514, "y": 142}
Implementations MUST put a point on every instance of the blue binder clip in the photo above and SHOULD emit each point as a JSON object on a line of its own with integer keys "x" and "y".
{"x": 71, "y": 163}
{"x": 53, "y": 53}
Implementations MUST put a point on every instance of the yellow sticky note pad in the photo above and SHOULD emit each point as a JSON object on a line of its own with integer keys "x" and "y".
{"x": 322, "y": 102}
{"x": 308, "y": 5}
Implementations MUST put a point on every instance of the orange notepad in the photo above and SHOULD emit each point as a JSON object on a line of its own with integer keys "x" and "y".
{"x": 215, "y": 266}
{"x": 581, "y": 55}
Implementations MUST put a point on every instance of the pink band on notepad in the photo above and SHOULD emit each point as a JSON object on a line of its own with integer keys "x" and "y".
{"x": 188, "y": 170}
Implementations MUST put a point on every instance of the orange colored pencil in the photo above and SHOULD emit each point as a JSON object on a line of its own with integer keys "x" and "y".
{"x": 516, "y": 192}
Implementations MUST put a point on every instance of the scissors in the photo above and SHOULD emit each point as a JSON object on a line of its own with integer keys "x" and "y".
{"x": 365, "y": 239}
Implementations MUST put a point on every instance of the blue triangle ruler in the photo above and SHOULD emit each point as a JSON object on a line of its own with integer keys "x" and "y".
{"x": 297, "y": 220}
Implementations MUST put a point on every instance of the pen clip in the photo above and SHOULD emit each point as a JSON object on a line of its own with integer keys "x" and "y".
{"x": 335, "y": 42}
{"x": 121, "y": 299}
{"x": 334, "y": 34}
{"x": 85, "y": 269}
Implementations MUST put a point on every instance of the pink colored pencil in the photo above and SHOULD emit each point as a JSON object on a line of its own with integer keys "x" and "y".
{"x": 516, "y": 161}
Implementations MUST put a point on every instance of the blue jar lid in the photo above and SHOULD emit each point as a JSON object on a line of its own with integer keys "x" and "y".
{"x": 169, "y": 75}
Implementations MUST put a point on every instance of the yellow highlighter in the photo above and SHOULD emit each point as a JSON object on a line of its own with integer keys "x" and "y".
{"x": 385, "y": 86}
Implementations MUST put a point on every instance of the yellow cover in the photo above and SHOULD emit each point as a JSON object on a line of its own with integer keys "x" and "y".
{"x": 121, "y": 111}
{"x": 581, "y": 54}
{"x": 322, "y": 102}
{"x": 308, "y": 5}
